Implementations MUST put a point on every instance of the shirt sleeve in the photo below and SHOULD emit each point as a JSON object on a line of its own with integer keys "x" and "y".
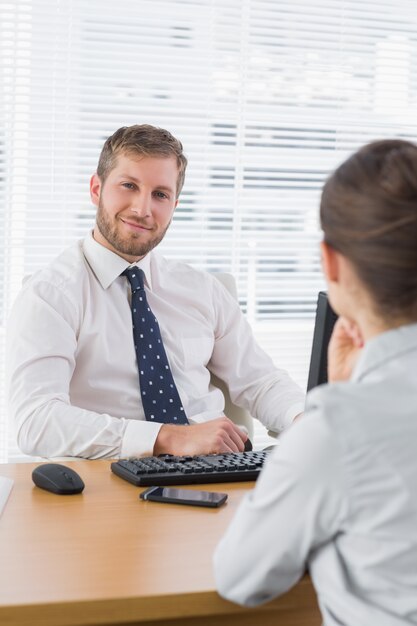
{"x": 298, "y": 504}
{"x": 41, "y": 351}
{"x": 254, "y": 383}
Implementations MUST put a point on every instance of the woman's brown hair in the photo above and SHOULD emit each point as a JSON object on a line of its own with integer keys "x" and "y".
{"x": 368, "y": 213}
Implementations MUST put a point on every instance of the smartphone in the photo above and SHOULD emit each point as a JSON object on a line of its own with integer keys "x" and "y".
{"x": 184, "y": 496}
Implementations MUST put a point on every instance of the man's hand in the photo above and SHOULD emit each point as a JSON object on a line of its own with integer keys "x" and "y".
{"x": 216, "y": 436}
{"x": 345, "y": 346}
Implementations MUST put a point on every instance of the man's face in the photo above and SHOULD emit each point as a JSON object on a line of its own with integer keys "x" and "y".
{"x": 135, "y": 204}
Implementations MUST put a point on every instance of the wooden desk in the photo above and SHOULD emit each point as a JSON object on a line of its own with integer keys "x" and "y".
{"x": 105, "y": 557}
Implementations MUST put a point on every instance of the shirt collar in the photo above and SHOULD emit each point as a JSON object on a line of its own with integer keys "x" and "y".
{"x": 107, "y": 265}
{"x": 385, "y": 347}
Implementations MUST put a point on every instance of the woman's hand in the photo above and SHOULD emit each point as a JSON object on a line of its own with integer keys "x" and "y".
{"x": 345, "y": 346}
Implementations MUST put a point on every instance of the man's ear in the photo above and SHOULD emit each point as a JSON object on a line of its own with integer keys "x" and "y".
{"x": 330, "y": 262}
{"x": 95, "y": 189}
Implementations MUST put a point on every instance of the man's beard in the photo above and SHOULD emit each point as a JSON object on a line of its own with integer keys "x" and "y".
{"x": 131, "y": 246}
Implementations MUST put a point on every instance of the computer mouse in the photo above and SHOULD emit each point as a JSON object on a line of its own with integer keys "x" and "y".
{"x": 248, "y": 445}
{"x": 57, "y": 479}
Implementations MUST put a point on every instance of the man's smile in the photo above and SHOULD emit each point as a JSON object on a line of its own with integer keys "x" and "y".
{"x": 134, "y": 225}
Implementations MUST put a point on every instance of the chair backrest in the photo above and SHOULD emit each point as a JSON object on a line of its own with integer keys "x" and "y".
{"x": 239, "y": 416}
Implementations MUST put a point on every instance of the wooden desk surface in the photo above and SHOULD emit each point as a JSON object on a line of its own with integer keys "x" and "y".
{"x": 106, "y": 557}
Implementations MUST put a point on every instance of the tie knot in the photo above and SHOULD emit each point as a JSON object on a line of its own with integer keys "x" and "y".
{"x": 135, "y": 276}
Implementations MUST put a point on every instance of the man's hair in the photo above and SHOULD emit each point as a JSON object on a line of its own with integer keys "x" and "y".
{"x": 369, "y": 214}
{"x": 141, "y": 140}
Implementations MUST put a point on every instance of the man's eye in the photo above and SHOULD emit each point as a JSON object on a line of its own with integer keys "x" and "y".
{"x": 128, "y": 185}
{"x": 161, "y": 195}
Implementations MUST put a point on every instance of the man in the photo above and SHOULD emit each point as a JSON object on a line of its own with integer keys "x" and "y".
{"x": 82, "y": 381}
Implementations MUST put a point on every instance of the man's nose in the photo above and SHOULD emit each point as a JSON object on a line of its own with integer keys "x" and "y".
{"x": 142, "y": 205}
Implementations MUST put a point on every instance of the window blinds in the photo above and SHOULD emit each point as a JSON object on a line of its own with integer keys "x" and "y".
{"x": 267, "y": 98}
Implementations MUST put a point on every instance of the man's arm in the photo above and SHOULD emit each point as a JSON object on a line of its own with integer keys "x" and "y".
{"x": 254, "y": 383}
{"x": 41, "y": 356}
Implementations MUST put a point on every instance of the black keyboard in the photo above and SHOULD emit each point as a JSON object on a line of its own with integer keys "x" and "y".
{"x": 188, "y": 470}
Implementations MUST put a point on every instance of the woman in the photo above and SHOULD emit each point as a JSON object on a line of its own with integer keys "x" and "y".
{"x": 339, "y": 495}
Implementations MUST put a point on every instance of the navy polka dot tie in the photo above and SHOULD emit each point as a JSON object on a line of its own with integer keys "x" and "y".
{"x": 160, "y": 397}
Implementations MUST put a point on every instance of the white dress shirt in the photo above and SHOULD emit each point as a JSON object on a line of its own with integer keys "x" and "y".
{"x": 73, "y": 377}
{"x": 339, "y": 495}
